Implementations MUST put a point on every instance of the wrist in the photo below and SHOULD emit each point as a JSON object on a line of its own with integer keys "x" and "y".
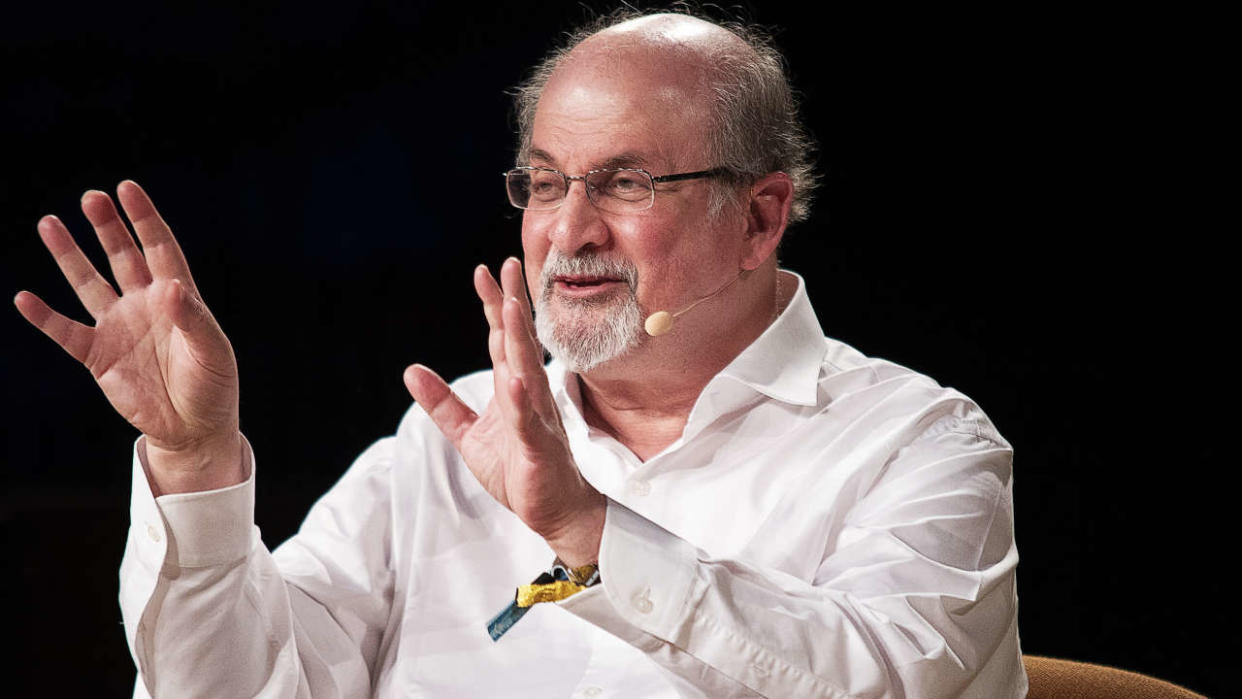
{"x": 208, "y": 464}
{"x": 577, "y": 544}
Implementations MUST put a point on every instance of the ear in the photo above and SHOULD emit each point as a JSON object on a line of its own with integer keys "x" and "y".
{"x": 767, "y": 214}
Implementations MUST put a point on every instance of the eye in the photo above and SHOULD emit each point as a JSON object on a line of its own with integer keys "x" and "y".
{"x": 628, "y": 185}
{"x": 545, "y": 185}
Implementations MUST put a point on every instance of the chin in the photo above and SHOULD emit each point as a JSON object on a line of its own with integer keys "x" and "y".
{"x": 584, "y": 336}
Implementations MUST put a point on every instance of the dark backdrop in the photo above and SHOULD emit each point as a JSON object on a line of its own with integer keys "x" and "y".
{"x": 333, "y": 178}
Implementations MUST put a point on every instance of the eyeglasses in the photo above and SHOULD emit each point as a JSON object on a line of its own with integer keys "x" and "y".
{"x": 620, "y": 190}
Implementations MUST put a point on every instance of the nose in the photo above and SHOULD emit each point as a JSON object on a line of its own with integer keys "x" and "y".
{"x": 577, "y": 225}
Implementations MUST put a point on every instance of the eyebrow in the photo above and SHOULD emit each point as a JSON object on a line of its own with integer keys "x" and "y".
{"x": 538, "y": 154}
{"x": 625, "y": 160}
{"x": 633, "y": 160}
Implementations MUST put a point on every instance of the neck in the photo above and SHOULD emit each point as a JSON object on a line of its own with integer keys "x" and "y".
{"x": 644, "y": 398}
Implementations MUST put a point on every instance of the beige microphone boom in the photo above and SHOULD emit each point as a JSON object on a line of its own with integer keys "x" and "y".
{"x": 661, "y": 322}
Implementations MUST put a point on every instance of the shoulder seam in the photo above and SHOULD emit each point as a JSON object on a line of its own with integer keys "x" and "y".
{"x": 966, "y": 426}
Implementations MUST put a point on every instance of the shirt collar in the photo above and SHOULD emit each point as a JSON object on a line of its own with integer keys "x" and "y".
{"x": 783, "y": 362}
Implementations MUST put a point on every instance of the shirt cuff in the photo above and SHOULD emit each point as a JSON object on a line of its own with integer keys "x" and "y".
{"x": 648, "y": 581}
{"x": 202, "y": 529}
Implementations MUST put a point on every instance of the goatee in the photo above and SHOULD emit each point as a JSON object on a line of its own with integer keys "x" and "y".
{"x": 584, "y": 333}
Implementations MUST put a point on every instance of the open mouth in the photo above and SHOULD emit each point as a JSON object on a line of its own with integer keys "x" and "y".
{"x": 584, "y": 284}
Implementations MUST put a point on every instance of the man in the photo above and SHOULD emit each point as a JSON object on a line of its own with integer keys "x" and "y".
{"x": 735, "y": 505}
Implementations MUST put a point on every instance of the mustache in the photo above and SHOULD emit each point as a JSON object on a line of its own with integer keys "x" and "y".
{"x": 586, "y": 264}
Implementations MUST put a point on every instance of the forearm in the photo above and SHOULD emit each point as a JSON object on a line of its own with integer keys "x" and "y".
{"x": 187, "y": 589}
{"x": 209, "y": 610}
{"x": 733, "y": 629}
{"x": 660, "y": 595}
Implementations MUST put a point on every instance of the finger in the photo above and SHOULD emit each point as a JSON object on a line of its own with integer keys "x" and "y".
{"x": 515, "y": 289}
{"x": 496, "y": 347}
{"x": 493, "y": 304}
{"x": 501, "y": 371}
{"x": 164, "y": 257}
{"x": 530, "y": 428}
{"x": 514, "y": 286}
{"x": 489, "y": 293}
{"x": 450, "y": 414}
{"x": 523, "y": 355}
{"x": 522, "y": 345}
{"x": 72, "y": 336}
{"x": 92, "y": 289}
{"x": 129, "y": 267}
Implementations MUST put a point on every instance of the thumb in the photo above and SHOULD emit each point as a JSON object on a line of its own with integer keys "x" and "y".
{"x": 187, "y": 311}
{"x": 449, "y": 412}
{"x": 190, "y": 315}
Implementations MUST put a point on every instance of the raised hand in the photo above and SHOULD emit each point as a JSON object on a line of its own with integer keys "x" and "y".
{"x": 155, "y": 349}
{"x": 517, "y": 448}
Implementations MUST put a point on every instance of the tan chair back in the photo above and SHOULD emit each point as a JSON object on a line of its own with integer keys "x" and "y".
{"x": 1051, "y": 678}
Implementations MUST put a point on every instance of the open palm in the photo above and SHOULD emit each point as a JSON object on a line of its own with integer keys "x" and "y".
{"x": 517, "y": 448}
{"x": 155, "y": 350}
{"x": 510, "y": 456}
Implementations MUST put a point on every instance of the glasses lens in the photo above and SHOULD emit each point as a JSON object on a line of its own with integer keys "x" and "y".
{"x": 535, "y": 189}
{"x": 621, "y": 190}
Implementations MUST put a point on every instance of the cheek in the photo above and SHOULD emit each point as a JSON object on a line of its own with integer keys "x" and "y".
{"x": 665, "y": 265}
{"x": 691, "y": 260}
{"x": 683, "y": 243}
{"x": 532, "y": 265}
{"x": 534, "y": 242}
{"x": 537, "y": 245}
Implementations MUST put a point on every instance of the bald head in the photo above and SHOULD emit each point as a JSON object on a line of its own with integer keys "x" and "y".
{"x": 678, "y": 37}
{"x": 625, "y": 69}
{"x": 727, "y": 78}
{"x": 663, "y": 51}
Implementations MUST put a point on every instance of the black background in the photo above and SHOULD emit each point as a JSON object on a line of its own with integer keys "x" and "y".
{"x": 987, "y": 216}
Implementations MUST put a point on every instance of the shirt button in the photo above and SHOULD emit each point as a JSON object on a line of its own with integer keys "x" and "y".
{"x": 640, "y": 487}
{"x": 589, "y": 692}
{"x": 642, "y": 602}
{"x": 153, "y": 533}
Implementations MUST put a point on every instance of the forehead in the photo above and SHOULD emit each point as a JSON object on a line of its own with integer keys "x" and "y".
{"x": 622, "y": 108}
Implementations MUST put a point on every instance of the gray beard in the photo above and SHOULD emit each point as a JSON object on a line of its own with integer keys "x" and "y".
{"x": 584, "y": 333}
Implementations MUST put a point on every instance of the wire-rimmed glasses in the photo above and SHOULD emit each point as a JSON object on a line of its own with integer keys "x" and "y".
{"x": 619, "y": 190}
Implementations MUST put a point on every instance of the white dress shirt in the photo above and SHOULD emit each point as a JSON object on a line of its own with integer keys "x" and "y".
{"x": 828, "y": 525}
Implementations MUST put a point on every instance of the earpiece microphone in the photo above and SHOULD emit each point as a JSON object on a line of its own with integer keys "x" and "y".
{"x": 661, "y": 322}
